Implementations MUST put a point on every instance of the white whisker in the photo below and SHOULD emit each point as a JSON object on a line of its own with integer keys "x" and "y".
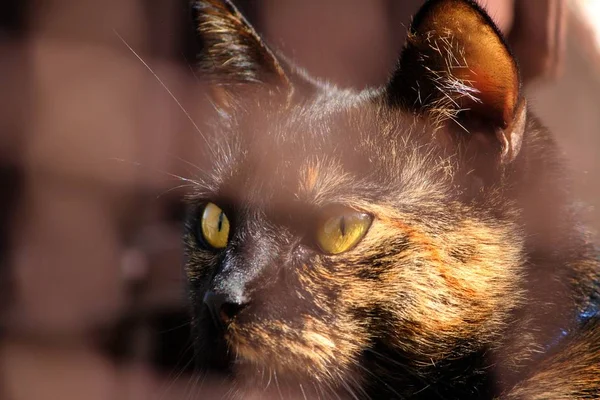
{"x": 277, "y": 384}
{"x": 191, "y": 68}
{"x": 302, "y": 390}
{"x": 173, "y": 189}
{"x": 189, "y": 117}
{"x": 179, "y": 177}
{"x": 196, "y": 168}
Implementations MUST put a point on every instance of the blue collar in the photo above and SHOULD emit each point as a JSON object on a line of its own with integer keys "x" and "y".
{"x": 591, "y": 311}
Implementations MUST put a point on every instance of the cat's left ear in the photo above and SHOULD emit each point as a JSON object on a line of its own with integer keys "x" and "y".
{"x": 456, "y": 66}
{"x": 233, "y": 54}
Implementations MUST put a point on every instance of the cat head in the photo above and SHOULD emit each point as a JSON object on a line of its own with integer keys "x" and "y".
{"x": 333, "y": 226}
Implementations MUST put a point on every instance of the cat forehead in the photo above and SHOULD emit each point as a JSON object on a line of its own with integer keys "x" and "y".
{"x": 333, "y": 124}
{"x": 332, "y": 148}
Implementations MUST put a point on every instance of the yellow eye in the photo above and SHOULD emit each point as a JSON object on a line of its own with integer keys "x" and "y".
{"x": 341, "y": 229}
{"x": 215, "y": 226}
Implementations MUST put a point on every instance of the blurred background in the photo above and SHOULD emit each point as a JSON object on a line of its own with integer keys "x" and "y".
{"x": 92, "y": 301}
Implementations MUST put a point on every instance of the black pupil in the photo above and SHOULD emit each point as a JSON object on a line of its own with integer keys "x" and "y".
{"x": 343, "y": 226}
{"x": 220, "y": 225}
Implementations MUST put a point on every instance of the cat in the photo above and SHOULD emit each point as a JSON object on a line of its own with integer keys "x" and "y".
{"x": 417, "y": 240}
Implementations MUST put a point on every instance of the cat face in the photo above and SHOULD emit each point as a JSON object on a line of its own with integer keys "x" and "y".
{"x": 335, "y": 225}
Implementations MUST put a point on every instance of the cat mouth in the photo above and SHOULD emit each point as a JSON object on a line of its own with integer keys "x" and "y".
{"x": 301, "y": 348}
{"x": 297, "y": 372}
{"x": 292, "y": 352}
{"x": 302, "y": 358}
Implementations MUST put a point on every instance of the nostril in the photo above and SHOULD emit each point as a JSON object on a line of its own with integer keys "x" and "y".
{"x": 229, "y": 310}
{"x": 222, "y": 309}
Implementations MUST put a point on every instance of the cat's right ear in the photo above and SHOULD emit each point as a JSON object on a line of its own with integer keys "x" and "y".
{"x": 233, "y": 54}
{"x": 456, "y": 67}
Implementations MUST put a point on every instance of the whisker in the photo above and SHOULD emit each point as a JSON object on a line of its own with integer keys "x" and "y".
{"x": 160, "y": 81}
{"x": 332, "y": 390}
{"x": 196, "y": 168}
{"x": 189, "y": 389}
{"x": 404, "y": 368}
{"x": 269, "y": 381}
{"x": 277, "y": 384}
{"x": 194, "y": 391}
{"x": 179, "y": 177}
{"x": 173, "y": 189}
{"x": 232, "y": 392}
{"x": 318, "y": 390}
{"x": 192, "y": 70}
{"x": 302, "y": 390}
{"x": 356, "y": 386}
{"x": 188, "y": 348}
{"x": 166, "y": 390}
{"x": 378, "y": 378}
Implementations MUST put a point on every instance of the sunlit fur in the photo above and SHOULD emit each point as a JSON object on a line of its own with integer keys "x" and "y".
{"x": 463, "y": 279}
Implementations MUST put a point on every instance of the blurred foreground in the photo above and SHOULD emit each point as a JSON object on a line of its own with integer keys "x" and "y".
{"x": 92, "y": 303}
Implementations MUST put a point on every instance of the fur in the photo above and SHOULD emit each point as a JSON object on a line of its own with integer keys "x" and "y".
{"x": 475, "y": 261}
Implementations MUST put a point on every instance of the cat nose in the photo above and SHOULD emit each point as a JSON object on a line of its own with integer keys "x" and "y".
{"x": 222, "y": 308}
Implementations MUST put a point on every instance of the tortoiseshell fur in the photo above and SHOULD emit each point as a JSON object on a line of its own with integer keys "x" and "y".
{"x": 471, "y": 279}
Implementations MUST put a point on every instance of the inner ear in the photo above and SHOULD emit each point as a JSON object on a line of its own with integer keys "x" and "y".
{"x": 456, "y": 65}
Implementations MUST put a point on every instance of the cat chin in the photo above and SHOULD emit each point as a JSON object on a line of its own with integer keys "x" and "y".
{"x": 293, "y": 352}
{"x": 262, "y": 373}
{"x": 252, "y": 366}
{"x": 286, "y": 390}
{"x": 254, "y": 381}
{"x": 249, "y": 358}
